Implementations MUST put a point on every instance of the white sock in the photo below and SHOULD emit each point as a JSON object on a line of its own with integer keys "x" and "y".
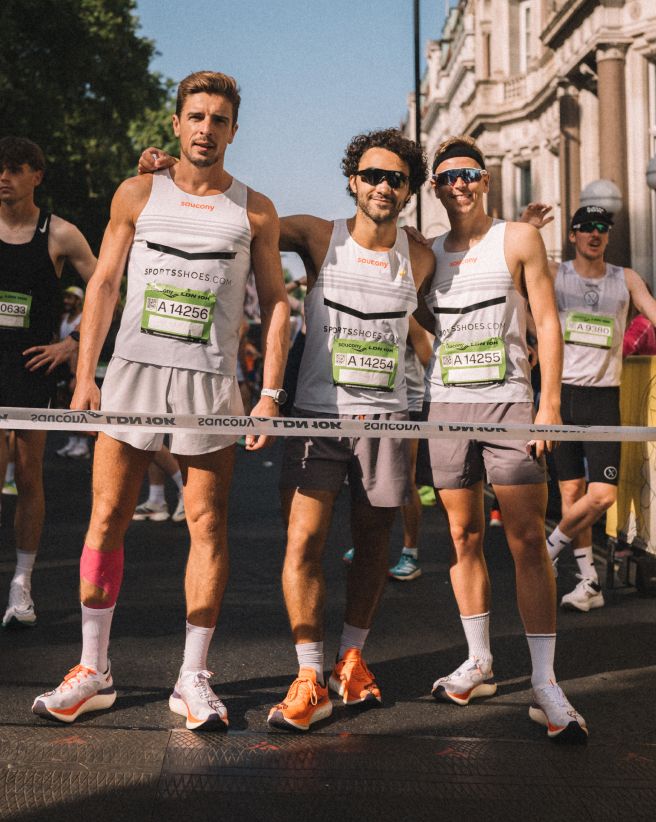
{"x": 585, "y": 561}
{"x": 96, "y": 626}
{"x": 410, "y": 552}
{"x": 477, "y": 632}
{"x": 352, "y": 637}
{"x": 177, "y": 479}
{"x": 156, "y": 494}
{"x": 542, "y": 648}
{"x": 310, "y": 655}
{"x": 10, "y": 472}
{"x": 197, "y": 645}
{"x": 24, "y": 566}
{"x": 556, "y": 541}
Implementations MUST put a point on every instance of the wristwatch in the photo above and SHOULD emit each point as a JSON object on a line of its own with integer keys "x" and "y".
{"x": 75, "y": 335}
{"x": 278, "y": 395}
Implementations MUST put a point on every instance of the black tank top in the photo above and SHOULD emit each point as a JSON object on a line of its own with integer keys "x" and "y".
{"x": 29, "y": 291}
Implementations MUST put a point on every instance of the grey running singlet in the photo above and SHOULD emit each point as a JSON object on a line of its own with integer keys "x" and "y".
{"x": 593, "y": 315}
{"x": 480, "y": 353}
{"x": 357, "y": 317}
{"x": 187, "y": 275}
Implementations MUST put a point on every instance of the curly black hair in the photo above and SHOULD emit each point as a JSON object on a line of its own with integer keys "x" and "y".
{"x": 392, "y": 140}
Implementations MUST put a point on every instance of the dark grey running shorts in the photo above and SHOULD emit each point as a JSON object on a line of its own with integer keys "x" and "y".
{"x": 378, "y": 470}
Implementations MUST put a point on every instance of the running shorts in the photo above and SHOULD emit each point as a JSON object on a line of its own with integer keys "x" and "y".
{"x": 20, "y": 388}
{"x": 585, "y": 405}
{"x": 131, "y": 387}
{"x": 378, "y": 470}
{"x": 451, "y": 464}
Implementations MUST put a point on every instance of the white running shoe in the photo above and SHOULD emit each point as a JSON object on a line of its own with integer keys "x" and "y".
{"x": 194, "y": 699}
{"x": 179, "y": 514}
{"x": 80, "y": 451}
{"x": 20, "y": 608}
{"x": 472, "y": 679}
{"x": 585, "y": 596}
{"x": 65, "y": 450}
{"x": 551, "y": 708}
{"x": 154, "y": 511}
{"x": 82, "y": 690}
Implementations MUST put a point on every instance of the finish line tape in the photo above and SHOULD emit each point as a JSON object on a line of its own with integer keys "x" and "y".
{"x": 45, "y": 419}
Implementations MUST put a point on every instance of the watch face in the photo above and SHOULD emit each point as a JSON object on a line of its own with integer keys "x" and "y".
{"x": 281, "y": 397}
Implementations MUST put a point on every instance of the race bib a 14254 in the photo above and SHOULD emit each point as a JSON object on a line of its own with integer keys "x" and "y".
{"x": 365, "y": 364}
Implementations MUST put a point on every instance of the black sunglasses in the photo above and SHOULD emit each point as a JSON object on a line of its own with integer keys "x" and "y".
{"x": 452, "y": 175}
{"x": 588, "y": 228}
{"x": 375, "y": 176}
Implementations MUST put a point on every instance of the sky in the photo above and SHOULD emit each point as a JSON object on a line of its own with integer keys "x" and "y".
{"x": 312, "y": 75}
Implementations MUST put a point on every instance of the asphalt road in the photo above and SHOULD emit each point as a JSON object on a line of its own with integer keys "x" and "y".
{"x": 411, "y": 759}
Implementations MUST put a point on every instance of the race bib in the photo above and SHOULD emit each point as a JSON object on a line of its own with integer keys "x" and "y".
{"x": 463, "y": 363}
{"x": 179, "y": 313}
{"x": 594, "y": 330}
{"x": 14, "y": 309}
{"x": 365, "y": 364}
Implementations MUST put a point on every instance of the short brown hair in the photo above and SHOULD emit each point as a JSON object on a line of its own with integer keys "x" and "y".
{"x": 14, "y": 151}
{"x": 458, "y": 141}
{"x": 209, "y": 82}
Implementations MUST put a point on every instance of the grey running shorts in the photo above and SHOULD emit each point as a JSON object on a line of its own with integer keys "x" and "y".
{"x": 133, "y": 386}
{"x": 451, "y": 464}
{"x": 378, "y": 470}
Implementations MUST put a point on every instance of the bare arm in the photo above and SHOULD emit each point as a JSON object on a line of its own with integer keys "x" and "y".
{"x": 640, "y": 295}
{"x": 274, "y": 306}
{"x": 103, "y": 290}
{"x": 525, "y": 248}
{"x": 68, "y": 243}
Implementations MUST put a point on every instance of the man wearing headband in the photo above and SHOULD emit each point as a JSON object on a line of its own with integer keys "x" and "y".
{"x": 34, "y": 245}
{"x": 593, "y": 302}
{"x": 476, "y": 306}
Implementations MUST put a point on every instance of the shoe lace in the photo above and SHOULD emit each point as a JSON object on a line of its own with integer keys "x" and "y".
{"x": 295, "y": 687}
{"x": 75, "y": 676}
{"x": 202, "y": 685}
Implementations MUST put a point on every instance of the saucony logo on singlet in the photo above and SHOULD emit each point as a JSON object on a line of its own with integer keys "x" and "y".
{"x": 186, "y": 255}
{"x": 378, "y": 263}
{"x": 467, "y": 308}
{"x": 204, "y": 206}
{"x": 384, "y": 315}
{"x": 464, "y": 261}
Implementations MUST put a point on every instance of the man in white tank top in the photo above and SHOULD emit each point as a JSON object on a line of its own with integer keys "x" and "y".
{"x": 189, "y": 237}
{"x": 593, "y": 302}
{"x": 476, "y": 305}
{"x": 362, "y": 276}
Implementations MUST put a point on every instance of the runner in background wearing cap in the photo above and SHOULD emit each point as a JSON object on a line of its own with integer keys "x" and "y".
{"x": 76, "y": 447}
{"x": 593, "y": 302}
{"x": 34, "y": 245}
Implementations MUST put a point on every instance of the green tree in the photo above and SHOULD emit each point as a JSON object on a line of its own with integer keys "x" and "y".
{"x": 74, "y": 74}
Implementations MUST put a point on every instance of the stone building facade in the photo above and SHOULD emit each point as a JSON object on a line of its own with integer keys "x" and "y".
{"x": 559, "y": 93}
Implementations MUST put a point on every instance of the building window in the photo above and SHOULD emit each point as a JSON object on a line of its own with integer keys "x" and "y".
{"x": 525, "y": 42}
{"x": 523, "y": 187}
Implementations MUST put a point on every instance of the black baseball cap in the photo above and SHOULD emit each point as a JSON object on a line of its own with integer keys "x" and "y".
{"x": 591, "y": 214}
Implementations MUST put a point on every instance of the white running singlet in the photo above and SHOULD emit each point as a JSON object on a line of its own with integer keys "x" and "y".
{"x": 187, "y": 275}
{"x": 357, "y": 317}
{"x": 593, "y": 313}
{"x": 480, "y": 353}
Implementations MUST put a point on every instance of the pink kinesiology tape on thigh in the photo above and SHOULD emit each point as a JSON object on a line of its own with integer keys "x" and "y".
{"x": 104, "y": 569}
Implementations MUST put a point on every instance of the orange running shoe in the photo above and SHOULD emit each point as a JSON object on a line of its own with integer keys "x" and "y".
{"x": 307, "y": 702}
{"x": 353, "y": 681}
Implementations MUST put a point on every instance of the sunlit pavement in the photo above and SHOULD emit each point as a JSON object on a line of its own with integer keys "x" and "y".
{"x": 412, "y": 759}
